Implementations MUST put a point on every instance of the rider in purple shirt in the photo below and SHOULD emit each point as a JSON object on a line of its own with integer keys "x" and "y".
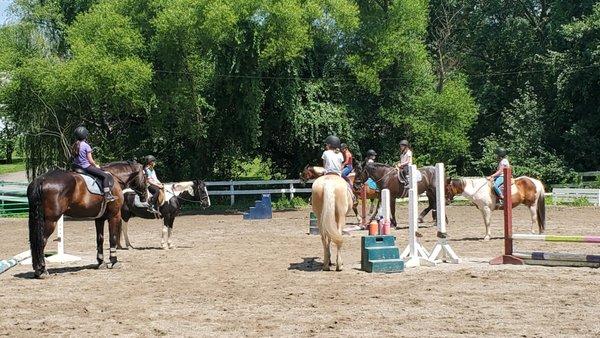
{"x": 82, "y": 159}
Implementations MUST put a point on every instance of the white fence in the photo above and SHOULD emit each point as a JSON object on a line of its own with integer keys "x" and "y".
{"x": 290, "y": 188}
{"x": 569, "y": 195}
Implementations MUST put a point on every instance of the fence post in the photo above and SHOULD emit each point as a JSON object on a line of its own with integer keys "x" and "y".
{"x": 292, "y": 190}
{"x": 598, "y": 198}
{"x": 232, "y": 196}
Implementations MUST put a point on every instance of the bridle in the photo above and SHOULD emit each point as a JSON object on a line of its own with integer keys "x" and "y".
{"x": 126, "y": 184}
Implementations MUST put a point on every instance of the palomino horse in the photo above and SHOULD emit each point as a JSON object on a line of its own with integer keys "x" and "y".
{"x": 191, "y": 191}
{"x": 525, "y": 190}
{"x": 331, "y": 201}
{"x": 60, "y": 192}
{"x": 312, "y": 172}
{"x": 386, "y": 177}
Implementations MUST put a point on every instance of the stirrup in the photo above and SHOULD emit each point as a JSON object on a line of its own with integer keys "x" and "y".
{"x": 109, "y": 197}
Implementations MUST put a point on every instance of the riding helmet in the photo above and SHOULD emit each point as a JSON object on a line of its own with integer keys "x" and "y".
{"x": 371, "y": 152}
{"x": 333, "y": 141}
{"x": 343, "y": 146}
{"x": 149, "y": 159}
{"x": 404, "y": 143}
{"x": 500, "y": 151}
{"x": 81, "y": 133}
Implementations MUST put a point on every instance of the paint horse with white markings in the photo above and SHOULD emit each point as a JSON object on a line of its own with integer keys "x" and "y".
{"x": 525, "y": 190}
{"x": 170, "y": 206}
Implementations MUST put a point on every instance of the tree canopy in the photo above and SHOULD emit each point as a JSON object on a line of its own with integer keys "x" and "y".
{"x": 205, "y": 85}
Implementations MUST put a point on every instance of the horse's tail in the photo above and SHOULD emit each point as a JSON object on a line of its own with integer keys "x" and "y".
{"x": 541, "y": 208}
{"x": 328, "y": 223}
{"x": 36, "y": 222}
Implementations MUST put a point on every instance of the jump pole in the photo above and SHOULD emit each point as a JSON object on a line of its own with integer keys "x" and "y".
{"x": 442, "y": 248}
{"x": 6, "y": 264}
{"x": 60, "y": 256}
{"x": 508, "y": 257}
{"x": 414, "y": 254}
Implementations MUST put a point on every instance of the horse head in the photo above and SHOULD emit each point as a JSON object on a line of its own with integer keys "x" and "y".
{"x": 201, "y": 193}
{"x": 130, "y": 174}
{"x": 453, "y": 187}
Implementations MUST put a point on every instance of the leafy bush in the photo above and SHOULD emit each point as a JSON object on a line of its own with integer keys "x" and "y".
{"x": 284, "y": 203}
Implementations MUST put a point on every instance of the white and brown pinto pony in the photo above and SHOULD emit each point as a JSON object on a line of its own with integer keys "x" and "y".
{"x": 331, "y": 201}
{"x": 525, "y": 190}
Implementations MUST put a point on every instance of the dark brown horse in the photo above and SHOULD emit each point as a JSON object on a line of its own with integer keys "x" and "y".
{"x": 60, "y": 192}
{"x": 386, "y": 177}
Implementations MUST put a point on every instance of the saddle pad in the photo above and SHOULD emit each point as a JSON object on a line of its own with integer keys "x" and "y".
{"x": 419, "y": 176}
{"x": 92, "y": 184}
{"x": 372, "y": 184}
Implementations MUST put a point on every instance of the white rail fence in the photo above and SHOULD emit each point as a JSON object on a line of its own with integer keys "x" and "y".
{"x": 291, "y": 187}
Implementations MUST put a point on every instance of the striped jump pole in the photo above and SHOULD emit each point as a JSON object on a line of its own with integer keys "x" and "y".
{"x": 557, "y": 238}
{"x": 442, "y": 248}
{"x": 414, "y": 254}
{"x": 540, "y": 258}
{"x": 6, "y": 264}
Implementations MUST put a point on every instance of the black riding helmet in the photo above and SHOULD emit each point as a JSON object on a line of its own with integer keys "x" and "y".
{"x": 371, "y": 152}
{"x": 343, "y": 146}
{"x": 501, "y": 152}
{"x": 81, "y": 133}
{"x": 333, "y": 141}
{"x": 149, "y": 159}
{"x": 404, "y": 143}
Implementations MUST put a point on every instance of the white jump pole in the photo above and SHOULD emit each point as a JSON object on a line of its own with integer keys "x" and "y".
{"x": 442, "y": 247}
{"x": 414, "y": 254}
{"x": 385, "y": 205}
{"x": 60, "y": 256}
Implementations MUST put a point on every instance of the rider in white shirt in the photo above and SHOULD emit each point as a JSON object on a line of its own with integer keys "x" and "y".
{"x": 332, "y": 157}
{"x": 406, "y": 158}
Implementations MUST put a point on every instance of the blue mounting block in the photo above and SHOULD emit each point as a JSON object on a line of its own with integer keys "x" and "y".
{"x": 380, "y": 254}
{"x": 261, "y": 210}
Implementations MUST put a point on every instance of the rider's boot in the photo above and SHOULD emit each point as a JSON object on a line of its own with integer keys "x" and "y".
{"x": 108, "y": 196}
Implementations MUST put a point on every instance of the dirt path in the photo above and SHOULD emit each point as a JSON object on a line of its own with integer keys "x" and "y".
{"x": 232, "y": 277}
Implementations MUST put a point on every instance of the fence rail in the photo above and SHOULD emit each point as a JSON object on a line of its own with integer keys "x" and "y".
{"x": 569, "y": 195}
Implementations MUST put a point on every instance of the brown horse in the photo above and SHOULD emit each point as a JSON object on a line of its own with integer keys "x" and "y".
{"x": 60, "y": 192}
{"x": 331, "y": 200}
{"x": 386, "y": 177}
{"x": 525, "y": 190}
{"x": 312, "y": 172}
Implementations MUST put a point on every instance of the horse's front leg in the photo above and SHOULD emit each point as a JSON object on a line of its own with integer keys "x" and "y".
{"x": 374, "y": 214}
{"x": 393, "y": 211}
{"x": 113, "y": 231}
{"x": 100, "y": 243}
{"x": 125, "y": 227}
{"x": 487, "y": 219}
{"x": 168, "y": 221}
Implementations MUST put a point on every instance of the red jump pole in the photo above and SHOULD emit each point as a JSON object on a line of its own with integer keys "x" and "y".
{"x": 508, "y": 257}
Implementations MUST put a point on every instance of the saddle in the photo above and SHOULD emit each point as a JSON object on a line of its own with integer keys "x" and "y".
{"x": 93, "y": 184}
{"x": 162, "y": 197}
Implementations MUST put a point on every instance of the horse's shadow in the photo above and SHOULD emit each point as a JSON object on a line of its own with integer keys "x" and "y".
{"x": 308, "y": 264}
{"x": 59, "y": 271}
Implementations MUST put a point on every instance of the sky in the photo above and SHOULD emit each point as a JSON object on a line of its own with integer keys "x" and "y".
{"x": 4, "y": 15}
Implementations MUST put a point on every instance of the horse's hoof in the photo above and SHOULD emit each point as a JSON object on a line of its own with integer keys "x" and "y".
{"x": 102, "y": 266}
{"x": 43, "y": 275}
{"x": 115, "y": 265}
{"x": 122, "y": 248}
{"x": 486, "y": 238}
{"x": 339, "y": 268}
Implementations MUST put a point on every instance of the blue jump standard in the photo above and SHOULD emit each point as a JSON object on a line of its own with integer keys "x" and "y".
{"x": 261, "y": 210}
{"x": 380, "y": 254}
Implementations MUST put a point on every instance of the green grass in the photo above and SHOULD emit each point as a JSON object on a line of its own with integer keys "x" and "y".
{"x": 17, "y": 165}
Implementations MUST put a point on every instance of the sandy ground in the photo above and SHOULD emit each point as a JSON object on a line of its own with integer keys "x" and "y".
{"x": 229, "y": 277}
